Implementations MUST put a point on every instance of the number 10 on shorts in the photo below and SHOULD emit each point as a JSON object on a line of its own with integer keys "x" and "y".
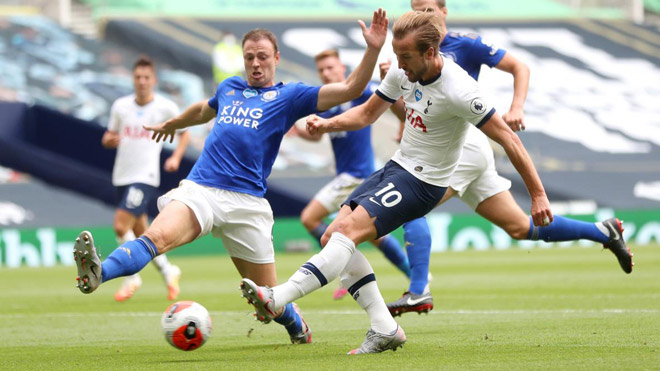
{"x": 390, "y": 196}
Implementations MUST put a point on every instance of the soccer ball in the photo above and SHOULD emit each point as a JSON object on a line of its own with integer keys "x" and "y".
{"x": 186, "y": 325}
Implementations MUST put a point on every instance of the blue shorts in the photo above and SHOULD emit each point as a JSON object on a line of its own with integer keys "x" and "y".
{"x": 394, "y": 196}
{"x": 135, "y": 198}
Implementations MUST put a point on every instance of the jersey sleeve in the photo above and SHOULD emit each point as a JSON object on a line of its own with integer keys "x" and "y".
{"x": 114, "y": 124}
{"x": 390, "y": 88}
{"x": 469, "y": 103}
{"x": 486, "y": 53}
{"x": 304, "y": 102}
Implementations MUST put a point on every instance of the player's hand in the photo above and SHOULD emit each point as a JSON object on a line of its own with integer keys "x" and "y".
{"x": 541, "y": 213}
{"x": 110, "y": 139}
{"x": 377, "y": 33}
{"x": 172, "y": 164}
{"x": 384, "y": 67}
{"x": 515, "y": 118}
{"x": 162, "y": 131}
{"x": 316, "y": 125}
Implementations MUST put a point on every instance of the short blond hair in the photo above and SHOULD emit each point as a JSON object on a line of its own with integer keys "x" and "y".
{"x": 326, "y": 53}
{"x": 425, "y": 26}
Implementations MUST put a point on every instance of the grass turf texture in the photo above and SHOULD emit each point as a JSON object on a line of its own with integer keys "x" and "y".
{"x": 561, "y": 308}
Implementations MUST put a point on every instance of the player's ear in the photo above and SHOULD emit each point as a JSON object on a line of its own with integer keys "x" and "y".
{"x": 430, "y": 53}
{"x": 277, "y": 57}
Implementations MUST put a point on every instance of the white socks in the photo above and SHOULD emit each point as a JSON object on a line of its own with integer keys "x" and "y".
{"x": 318, "y": 271}
{"x": 358, "y": 277}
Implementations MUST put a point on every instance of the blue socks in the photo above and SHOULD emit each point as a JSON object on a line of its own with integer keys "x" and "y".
{"x": 290, "y": 320}
{"x": 318, "y": 231}
{"x": 394, "y": 253}
{"x": 128, "y": 258}
{"x": 564, "y": 229}
{"x": 418, "y": 245}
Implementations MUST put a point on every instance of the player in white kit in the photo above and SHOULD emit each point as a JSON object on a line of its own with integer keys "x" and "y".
{"x": 136, "y": 172}
{"x": 442, "y": 101}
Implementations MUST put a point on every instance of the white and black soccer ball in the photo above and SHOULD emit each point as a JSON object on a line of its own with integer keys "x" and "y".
{"x": 186, "y": 324}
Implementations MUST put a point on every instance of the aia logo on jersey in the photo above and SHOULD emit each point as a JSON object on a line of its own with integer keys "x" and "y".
{"x": 249, "y": 93}
{"x": 477, "y": 106}
{"x": 418, "y": 95}
{"x": 415, "y": 120}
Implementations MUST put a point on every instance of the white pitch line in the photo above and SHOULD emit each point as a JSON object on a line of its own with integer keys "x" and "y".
{"x": 341, "y": 312}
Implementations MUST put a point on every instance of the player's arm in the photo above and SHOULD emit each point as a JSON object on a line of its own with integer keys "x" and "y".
{"x": 295, "y": 131}
{"x": 174, "y": 161}
{"x": 515, "y": 118}
{"x": 333, "y": 94}
{"x": 354, "y": 119}
{"x": 110, "y": 139}
{"x": 198, "y": 113}
{"x": 399, "y": 107}
{"x": 496, "y": 129}
{"x": 111, "y": 136}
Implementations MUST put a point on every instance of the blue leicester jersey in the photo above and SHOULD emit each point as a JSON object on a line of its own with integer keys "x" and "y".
{"x": 470, "y": 51}
{"x": 353, "y": 151}
{"x": 239, "y": 152}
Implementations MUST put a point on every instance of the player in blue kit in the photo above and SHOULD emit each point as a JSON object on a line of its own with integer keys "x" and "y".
{"x": 442, "y": 102}
{"x": 223, "y": 194}
{"x": 354, "y": 161}
{"x": 476, "y": 181}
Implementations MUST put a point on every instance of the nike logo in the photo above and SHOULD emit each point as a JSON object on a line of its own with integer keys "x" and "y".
{"x": 616, "y": 233}
{"x": 374, "y": 201}
{"x": 412, "y": 301}
{"x": 404, "y": 88}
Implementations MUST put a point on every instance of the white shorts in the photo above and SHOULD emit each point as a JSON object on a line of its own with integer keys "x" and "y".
{"x": 243, "y": 222}
{"x": 333, "y": 194}
{"x": 475, "y": 178}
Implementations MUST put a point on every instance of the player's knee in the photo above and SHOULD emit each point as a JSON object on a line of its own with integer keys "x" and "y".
{"x": 517, "y": 231}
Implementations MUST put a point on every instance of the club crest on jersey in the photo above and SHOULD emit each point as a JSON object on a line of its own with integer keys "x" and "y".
{"x": 418, "y": 95}
{"x": 249, "y": 93}
{"x": 477, "y": 106}
{"x": 269, "y": 95}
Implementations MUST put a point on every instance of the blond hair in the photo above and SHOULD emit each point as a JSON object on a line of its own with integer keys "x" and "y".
{"x": 326, "y": 53}
{"x": 425, "y": 26}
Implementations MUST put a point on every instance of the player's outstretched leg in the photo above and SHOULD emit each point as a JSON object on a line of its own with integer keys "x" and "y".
{"x": 608, "y": 232}
{"x": 418, "y": 297}
{"x": 87, "y": 262}
{"x": 617, "y": 244}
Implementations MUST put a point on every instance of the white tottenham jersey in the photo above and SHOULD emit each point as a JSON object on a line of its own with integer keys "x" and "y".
{"x": 438, "y": 113}
{"x": 138, "y": 157}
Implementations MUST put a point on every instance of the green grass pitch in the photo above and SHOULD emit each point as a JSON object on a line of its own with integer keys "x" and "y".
{"x": 559, "y": 308}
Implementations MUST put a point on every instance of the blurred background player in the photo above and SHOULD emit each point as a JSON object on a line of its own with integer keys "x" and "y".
{"x": 136, "y": 172}
{"x": 354, "y": 161}
{"x": 224, "y": 192}
{"x": 476, "y": 181}
{"x": 227, "y": 58}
